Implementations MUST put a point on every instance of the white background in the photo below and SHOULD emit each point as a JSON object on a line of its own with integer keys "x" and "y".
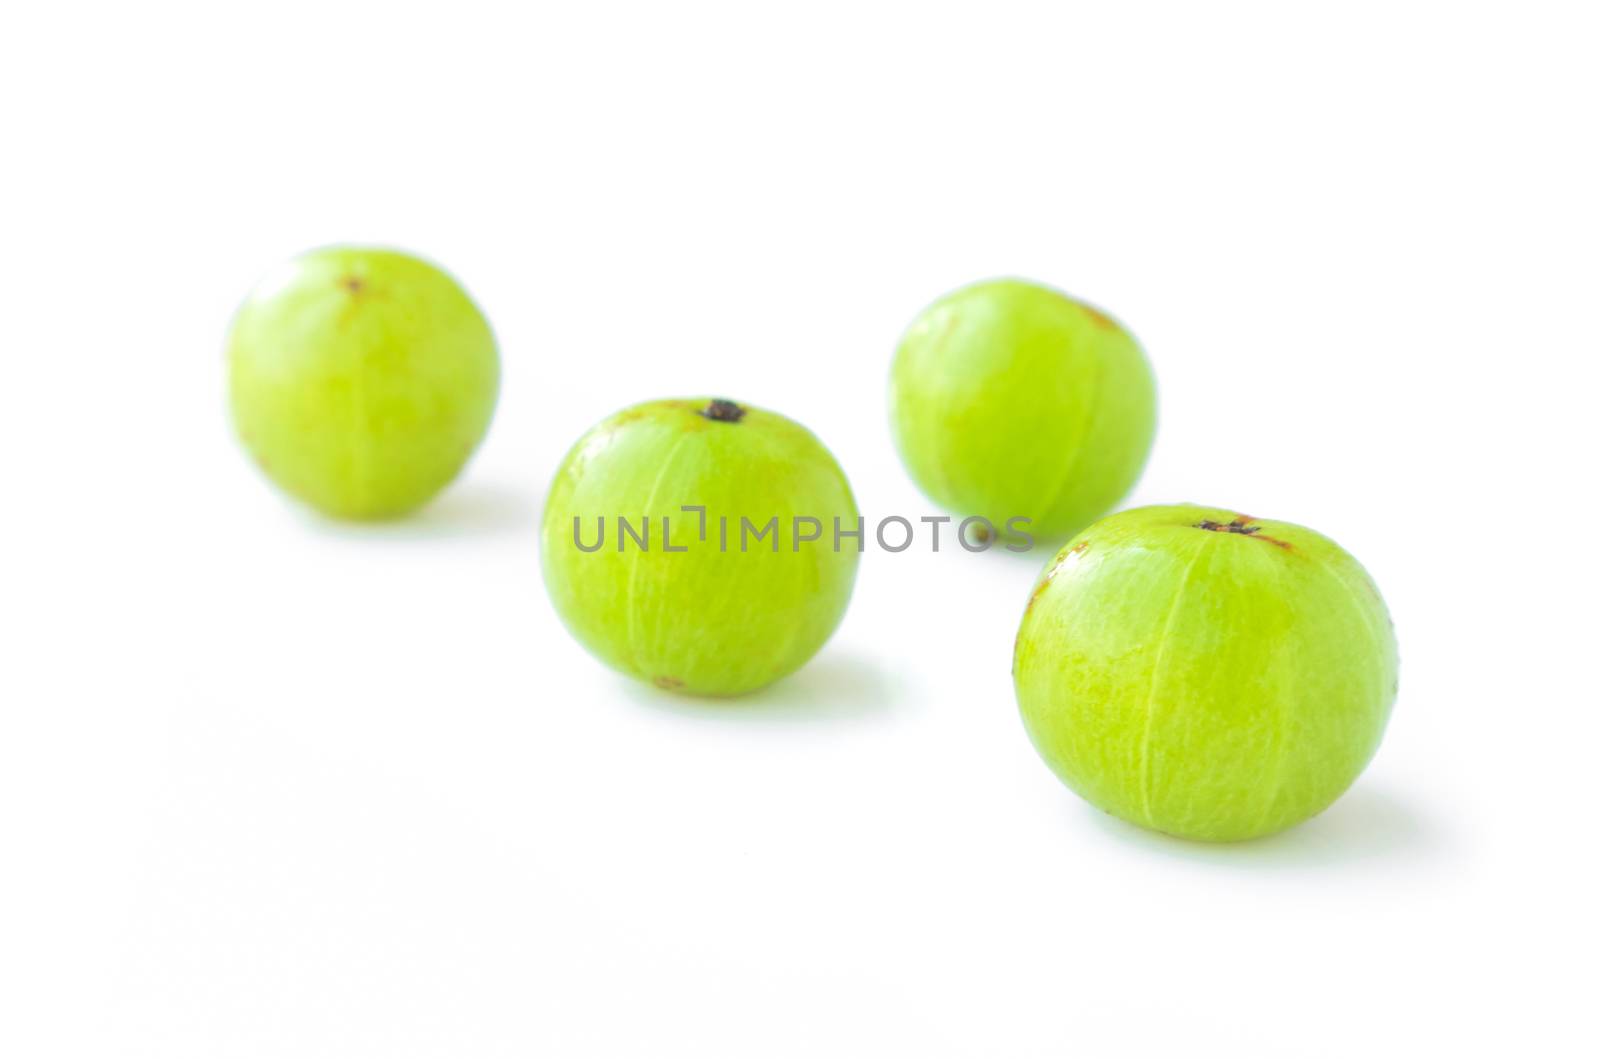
{"x": 275, "y": 787}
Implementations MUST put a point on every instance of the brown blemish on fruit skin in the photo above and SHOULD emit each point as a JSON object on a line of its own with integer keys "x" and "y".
{"x": 1241, "y": 525}
{"x": 1100, "y": 319}
{"x": 638, "y": 412}
{"x": 668, "y": 683}
{"x": 1050, "y": 575}
{"x": 353, "y": 284}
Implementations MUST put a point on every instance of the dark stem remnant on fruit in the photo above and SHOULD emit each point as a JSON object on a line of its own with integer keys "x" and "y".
{"x": 1240, "y": 525}
{"x": 722, "y": 411}
{"x": 353, "y": 284}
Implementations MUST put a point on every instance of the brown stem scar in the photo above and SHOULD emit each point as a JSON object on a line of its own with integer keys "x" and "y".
{"x": 1240, "y": 525}
{"x": 722, "y": 411}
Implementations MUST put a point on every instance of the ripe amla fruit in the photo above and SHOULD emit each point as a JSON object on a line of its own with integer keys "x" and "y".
{"x": 718, "y": 601}
{"x": 1204, "y": 673}
{"x": 1009, "y": 399}
{"x": 361, "y": 380}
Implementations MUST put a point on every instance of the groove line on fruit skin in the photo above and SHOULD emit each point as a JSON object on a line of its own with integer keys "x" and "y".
{"x": 1281, "y": 730}
{"x": 1363, "y": 585}
{"x": 1087, "y": 426}
{"x": 1155, "y": 681}
{"x": 360, "y": 447}
{"x": 633, "y": 568}
{"x": 930, "y": 432}
{"x": 1378, "y": 636}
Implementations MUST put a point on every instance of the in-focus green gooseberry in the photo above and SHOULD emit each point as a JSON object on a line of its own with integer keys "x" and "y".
{"x": 361, "y": 380}
{"x": 714, "y": 602}
{"x": 1009, "y": 399}
{"x": 1204, "y": 673}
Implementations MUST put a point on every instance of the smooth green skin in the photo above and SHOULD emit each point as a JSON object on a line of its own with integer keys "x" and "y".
{"x": 1210, "y": 685}
{"x": 1011, "y": 399}
{"x": 361, "y": 380}
{"x": 704, "y": 621}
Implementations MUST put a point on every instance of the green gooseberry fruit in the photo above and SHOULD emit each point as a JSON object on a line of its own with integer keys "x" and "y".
{"x": 1204, "y": 673}
{"x": 706, "y": 546}
{"x": 361, "y": 380}
{"x": 1009, "y": 399}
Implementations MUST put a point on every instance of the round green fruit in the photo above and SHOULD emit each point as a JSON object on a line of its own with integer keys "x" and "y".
{"x": 720, "y": 599}
{"x": 1008, "y": 399}
{"x": 361, "y": 380}
{"x": 1204, "y": 673}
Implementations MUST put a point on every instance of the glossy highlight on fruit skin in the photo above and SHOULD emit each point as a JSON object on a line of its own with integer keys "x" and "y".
{"x": 1009, "y": 399}
{"x": 711, "y": 620}
{"x": 1204, "y": 673}
{"x": 361, "y": 380}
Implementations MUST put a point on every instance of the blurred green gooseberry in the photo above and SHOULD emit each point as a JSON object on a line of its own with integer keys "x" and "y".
{"x": 361, "y": 380}
{"x": 1009, "y": 399}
